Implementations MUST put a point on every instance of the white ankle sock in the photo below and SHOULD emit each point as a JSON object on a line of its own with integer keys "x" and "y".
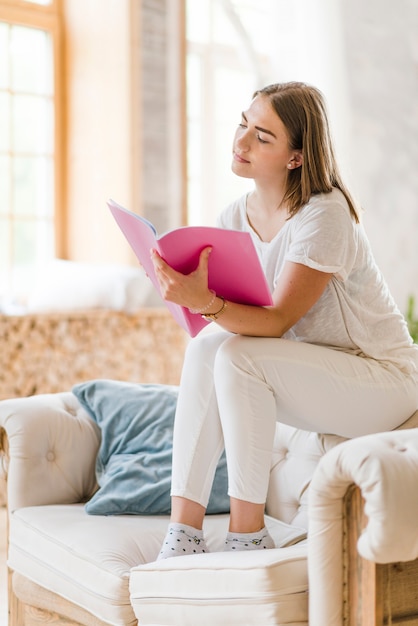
{"x": 181, "y": 540}
{"x": 260, "y": 540}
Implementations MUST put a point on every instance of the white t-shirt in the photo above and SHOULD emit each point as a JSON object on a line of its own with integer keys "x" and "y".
{"x": 356, "y": 313}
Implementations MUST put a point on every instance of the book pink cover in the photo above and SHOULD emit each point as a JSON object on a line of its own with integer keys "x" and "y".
{"x": 235, "y": 271}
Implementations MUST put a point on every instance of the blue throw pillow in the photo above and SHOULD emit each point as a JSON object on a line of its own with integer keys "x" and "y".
{"x": 133, "y": 465}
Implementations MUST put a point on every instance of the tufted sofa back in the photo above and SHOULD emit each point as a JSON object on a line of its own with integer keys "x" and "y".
{"x": 48, "y": 448}
{"x": 295, "y": 457}
{"x": 52, "y": 446}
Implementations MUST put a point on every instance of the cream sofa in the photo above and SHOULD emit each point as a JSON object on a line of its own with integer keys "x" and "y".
{"x": 70, "y": 568}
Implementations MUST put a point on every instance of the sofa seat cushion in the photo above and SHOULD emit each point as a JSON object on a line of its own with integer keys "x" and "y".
{"x": 261, "y": 587}
{"x": 82, "y": 558}
{"x": 87, "y": 559}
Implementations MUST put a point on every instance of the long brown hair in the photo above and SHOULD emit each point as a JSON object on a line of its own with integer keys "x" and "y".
{"x": 302, "y": 110}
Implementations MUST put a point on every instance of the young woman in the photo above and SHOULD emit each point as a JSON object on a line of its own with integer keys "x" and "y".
{"x": 332, "y": 355}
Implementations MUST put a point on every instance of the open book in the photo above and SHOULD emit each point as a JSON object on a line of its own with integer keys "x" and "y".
{"x": 234, "y": 268}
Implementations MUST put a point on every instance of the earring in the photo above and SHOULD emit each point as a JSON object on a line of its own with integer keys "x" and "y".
{"x": 289, "y": 165}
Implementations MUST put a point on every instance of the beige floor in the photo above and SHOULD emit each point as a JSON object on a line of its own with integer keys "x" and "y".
{"x": 3, "y": 588}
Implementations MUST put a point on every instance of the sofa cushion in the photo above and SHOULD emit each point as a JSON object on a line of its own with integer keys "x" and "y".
{"x": 261, "y": 587}
{"x": 87, "y": 559}
{"x": 296, "y": 454}
{"x": 52, "y": 446}
{"x": 134, "y": 460}
{"x": 82, "y": 558}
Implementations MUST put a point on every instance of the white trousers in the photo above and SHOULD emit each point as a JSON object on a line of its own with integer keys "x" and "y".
{"x": 234, "y": 389}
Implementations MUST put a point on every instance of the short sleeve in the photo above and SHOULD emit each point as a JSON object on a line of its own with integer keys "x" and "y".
{"x": 324, "y": 237}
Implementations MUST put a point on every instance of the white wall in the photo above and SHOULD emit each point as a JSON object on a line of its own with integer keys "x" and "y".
{"x": 381, "y": 39}
{"x": 364, "y": 57}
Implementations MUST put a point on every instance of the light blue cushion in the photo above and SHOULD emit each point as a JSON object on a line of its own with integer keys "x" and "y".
{"x": 134, "y": 460}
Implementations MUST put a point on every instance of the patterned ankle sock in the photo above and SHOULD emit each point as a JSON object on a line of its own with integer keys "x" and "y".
{"x": 260, "y": 540}
{"x": 181, "y": 540}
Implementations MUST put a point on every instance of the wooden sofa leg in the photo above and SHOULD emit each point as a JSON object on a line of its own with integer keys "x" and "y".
{"x": 374, "y": 594}
{"x": 361, "y": 577}
{"x": 16, "y": 607}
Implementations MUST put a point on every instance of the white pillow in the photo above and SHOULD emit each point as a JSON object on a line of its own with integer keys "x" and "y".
{"x": 68, "y": 285}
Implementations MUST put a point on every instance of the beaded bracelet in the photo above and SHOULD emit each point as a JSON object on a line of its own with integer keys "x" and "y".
{"x": 205, "y": 308}
{"x": 210, "y": 317}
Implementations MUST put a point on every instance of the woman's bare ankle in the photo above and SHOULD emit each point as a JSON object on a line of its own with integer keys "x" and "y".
{"x": 185, "y": 511}
{"x": 246, "y": 517}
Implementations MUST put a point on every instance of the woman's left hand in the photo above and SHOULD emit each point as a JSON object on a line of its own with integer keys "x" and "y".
{"x": 189, "y": 290}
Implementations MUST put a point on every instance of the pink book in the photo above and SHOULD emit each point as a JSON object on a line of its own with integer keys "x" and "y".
{"x": 235, "y": 271}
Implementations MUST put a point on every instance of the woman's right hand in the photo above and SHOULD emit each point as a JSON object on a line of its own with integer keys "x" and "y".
{"x": 188, "y": 290}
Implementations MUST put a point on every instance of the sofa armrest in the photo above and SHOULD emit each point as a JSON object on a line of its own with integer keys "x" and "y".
{"x": 375, "y": 522}
{"x": 48, "y": 446}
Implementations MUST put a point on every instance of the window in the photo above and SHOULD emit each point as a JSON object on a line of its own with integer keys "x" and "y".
{"x": 227, "y": 59}
{"x": 235, "y": 47}
{"x": 30, "y": 122}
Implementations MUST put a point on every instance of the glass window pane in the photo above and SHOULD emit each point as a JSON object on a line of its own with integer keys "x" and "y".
{"x": 4, "y": 240}
{"x": 5, "y": 185}
{"x": 4, "y": 122}
{"x": 32, "y": 242}
{"x": 194, "y": 201}
{"x": 232, "y": 42}
{"x": 32, "y": 124}
{"x": 4, "y": 65}
{"x": 33, "y": 247}
{"x": 239, "y": 85}
{"x": 31, "y": 67}
{"x": 45, "y": 249}
{"x": 24, "y": 242}
{"x": 32, "y": 186}
{"x": 253, "y": 22}
{"x": 194, "y": 148}
{"x": 197, "y": 24}
{"x": 224, "y": 30}
{"x": 193, "y": 86}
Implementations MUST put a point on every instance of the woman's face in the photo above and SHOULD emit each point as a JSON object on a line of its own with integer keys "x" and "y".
{"x": 261, "y": 148}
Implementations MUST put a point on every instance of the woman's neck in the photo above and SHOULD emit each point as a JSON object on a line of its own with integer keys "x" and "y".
{"x": 267, "y": 202}
{"x": 266, "y": 212}
{"x": 268, "y": 199}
